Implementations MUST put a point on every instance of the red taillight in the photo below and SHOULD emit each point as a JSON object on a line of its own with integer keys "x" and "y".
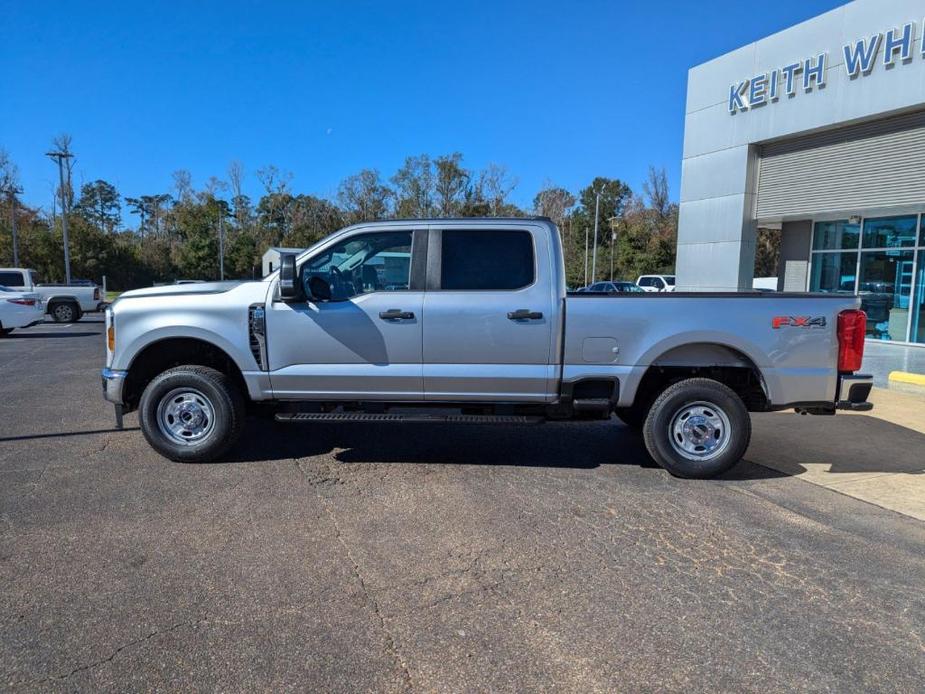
{"x": 852, "y": 326}
{"x": 22, "y": 302}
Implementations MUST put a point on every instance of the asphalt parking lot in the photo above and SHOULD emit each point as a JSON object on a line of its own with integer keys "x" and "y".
{"x": 358, "y": 557}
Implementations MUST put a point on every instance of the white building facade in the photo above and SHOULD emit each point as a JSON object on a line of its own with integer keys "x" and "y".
{"x": 817, "y": 131}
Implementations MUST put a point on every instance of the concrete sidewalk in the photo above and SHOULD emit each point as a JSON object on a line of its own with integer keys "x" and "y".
{"x": 893, "y": 479}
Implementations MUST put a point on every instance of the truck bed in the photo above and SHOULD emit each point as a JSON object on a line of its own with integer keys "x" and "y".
{"x": 622, "y": 335}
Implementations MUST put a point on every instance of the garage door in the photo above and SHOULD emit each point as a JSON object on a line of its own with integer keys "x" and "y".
{"x": 867, "y": 165}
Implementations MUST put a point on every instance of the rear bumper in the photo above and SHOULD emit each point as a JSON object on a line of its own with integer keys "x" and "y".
{"x": 853, "y": 391}
{"x": 113, "y": 381}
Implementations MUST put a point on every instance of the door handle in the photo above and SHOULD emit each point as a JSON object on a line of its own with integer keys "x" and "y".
{"x": 396, "y": 314}
{"x": 524, "y": 314}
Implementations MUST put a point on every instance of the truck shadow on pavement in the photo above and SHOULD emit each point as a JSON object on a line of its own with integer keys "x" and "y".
{"x": 840, "y": 444}
{"x": 568, "y": 446}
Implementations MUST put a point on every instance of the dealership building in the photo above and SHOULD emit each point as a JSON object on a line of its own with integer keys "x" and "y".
{"x": 818, "y": 132}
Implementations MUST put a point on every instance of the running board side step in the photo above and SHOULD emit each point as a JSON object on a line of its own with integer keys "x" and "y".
{"x": 299, "y": 417}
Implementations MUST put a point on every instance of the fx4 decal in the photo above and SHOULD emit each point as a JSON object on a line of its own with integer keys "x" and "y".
{"x": 797, "y": 322}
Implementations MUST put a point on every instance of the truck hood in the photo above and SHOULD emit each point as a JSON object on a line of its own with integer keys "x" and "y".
{"x": 182, "y": 289}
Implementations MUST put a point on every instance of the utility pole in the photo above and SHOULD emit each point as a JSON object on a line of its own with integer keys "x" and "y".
{"x": 613, "y": 242}
{"x": 62, "y": 156}
{"x": 587, "y": 231}
{"x": 597, "y": 210}
{"x": 221, "y": 242}
{"x": 13, "y": 191}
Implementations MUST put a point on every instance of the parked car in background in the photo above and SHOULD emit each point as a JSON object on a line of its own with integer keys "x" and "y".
{"x": 484, "y": 334}
{"x": 615, "y": 287}
{"x": 656, "y": 283}
{"x": 65, "y": 303}
{"x": 19, "y": 310}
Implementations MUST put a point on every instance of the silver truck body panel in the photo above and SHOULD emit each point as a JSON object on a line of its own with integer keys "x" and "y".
{"x": 671, "y": 329}
{"x": 343, "y": 350}
{"x": 461, "y": 346}
{"x": 216, "y": 313}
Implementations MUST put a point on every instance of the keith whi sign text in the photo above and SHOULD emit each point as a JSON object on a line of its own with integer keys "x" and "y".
{"x": 860, "y": 59}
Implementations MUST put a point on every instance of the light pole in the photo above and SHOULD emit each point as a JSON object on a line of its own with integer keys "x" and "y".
{"x": 13, "y": 191}
{"x": 587, "y": 231}
{"x": 221, "y": 239}
{"x": 597, "y": 210}
{"x": 613, "y": 242}
{"x": 61, "y": 157}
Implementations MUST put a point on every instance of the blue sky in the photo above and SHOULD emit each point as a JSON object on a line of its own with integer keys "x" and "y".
{"x": 555, "y": 91}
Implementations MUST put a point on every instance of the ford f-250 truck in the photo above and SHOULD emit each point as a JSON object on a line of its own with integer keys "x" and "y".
{"x": 468, "y": 320}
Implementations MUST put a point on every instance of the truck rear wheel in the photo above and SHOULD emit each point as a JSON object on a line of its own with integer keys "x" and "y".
{"x": 64, "y": 312}
{"x": 697, "y": 428}
{"x": 191, "y": 414}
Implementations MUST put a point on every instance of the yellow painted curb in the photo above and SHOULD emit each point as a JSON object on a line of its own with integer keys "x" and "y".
{"x": 906, "y": 377}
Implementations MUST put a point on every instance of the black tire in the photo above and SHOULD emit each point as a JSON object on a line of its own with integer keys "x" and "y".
{"x": 215, "y": 405}
{"x": 64, "y": 312}
{"x": 697, "y": 428}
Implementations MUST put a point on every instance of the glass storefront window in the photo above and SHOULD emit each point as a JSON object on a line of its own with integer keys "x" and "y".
{"x": 917, "y": 333}
{"x": 885, "y": 287}
{"x": 833, "y": 272}
{"x": 837, "y": 235}
{"x": 890, "y": 232}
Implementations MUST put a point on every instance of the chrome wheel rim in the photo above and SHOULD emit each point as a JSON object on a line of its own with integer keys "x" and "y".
{"x": 64, "y": 313}
{"x": 699, "y": 431}
{"x": 185, "y": 416}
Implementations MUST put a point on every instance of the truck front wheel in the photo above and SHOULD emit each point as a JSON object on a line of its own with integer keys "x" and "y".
{"x": 697, "y": 428}
{"x": 191, "y": 414}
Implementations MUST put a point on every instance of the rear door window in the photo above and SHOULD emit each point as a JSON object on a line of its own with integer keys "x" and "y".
{"x": 486, "y": 260}
{"x": 11, "y": 279}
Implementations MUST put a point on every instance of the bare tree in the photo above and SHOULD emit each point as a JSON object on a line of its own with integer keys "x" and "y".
{"x": 274, "y": 180}
{"x": 9, "y": 172}
{"x": 238, "y": 199}
{"x": 451, "y": 184}
{"x": 236, "y": 178}
{"x": 554, "y": 202}
{"x": 214, "y": 186}
{"x": 655, "y": 189}
{"x": 364, "y": 197}
{"x": 183, "y": 184}
{"x": 496, "y": 185}
{"x": 414, "y": 187}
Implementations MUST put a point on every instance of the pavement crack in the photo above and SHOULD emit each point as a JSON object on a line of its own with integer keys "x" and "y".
{"x": 390, "y": 645}
{"x": 117, "y": 651}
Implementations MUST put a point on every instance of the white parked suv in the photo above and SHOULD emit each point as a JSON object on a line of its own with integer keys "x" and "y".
{"x": 656, "y": 283}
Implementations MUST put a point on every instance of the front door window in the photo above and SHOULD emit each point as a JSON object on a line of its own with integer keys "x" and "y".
{"x": 362, "y": 264}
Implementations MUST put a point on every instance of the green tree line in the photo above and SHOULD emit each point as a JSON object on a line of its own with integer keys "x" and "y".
{"x": 174, "y": 233}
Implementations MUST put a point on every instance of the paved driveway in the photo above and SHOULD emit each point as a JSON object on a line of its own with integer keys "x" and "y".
{"x": 365, "y": 557}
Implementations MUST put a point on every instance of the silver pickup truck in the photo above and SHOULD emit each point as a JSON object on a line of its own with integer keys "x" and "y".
{"x": 468, "y": 321}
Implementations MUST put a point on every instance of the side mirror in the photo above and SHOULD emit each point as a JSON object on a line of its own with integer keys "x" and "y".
{"x": 319, "y": 288}
{"x": 290, "y": 288}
